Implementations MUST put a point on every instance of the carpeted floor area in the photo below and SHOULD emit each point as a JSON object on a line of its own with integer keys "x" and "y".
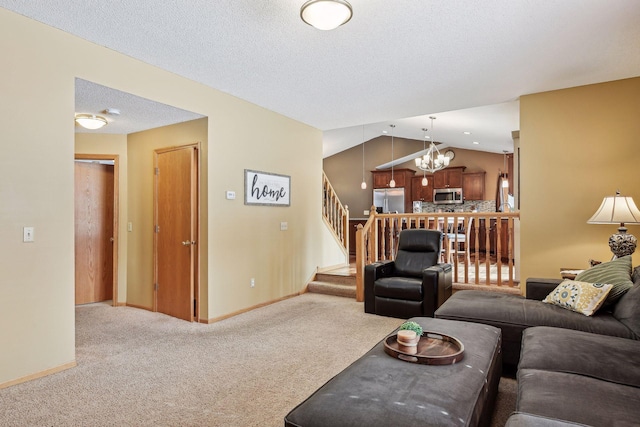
{"x": 138, "y": 368}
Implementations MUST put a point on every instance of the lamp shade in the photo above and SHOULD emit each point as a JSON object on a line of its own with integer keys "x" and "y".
{"x": 326, "y": 14}
{"x": 616, "y": 210}
{"x": 90, "y": 121}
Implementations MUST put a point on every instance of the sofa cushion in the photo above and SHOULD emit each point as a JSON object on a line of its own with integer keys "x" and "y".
{"x": 417, "y": 250}
{"x": 590, "y": 354}
{"x": 513, "y": 313}
{"x": 581, "y": 297}
{"x": 577, "y": 398}
{"x": 406, "y": 288}
{"x": 627, "y": 310}
{"x": 616, "y": 272}
{"x": 520, "y": 419}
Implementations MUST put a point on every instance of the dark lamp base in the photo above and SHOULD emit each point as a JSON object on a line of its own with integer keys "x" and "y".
{"x": 622, "y": 244}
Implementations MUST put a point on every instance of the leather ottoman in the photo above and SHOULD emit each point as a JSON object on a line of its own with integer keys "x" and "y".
{"x": 380, "y": 390}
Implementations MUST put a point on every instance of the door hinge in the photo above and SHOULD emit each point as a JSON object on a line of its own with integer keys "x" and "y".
{"x": 155, "y": 287}
{"x": 156, "y": 171}
{"x": 157, "y": 229}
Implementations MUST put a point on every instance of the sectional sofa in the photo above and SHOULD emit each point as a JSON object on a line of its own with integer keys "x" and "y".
{"x": 571, "y": 368}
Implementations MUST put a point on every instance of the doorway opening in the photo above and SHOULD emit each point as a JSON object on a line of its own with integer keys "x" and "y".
{"x": 96, "y": 228}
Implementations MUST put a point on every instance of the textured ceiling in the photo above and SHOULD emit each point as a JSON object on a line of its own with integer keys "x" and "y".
{"x": 393, "y": 60}
{"x": 136, "y": 113}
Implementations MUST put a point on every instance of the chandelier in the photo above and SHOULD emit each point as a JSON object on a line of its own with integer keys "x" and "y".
{"x": 433, "y": 160}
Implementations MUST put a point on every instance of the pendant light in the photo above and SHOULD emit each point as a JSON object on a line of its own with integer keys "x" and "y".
{"x": 364, "y": 183}
{"x": 425, "y": 182}
{"x": 505, "y": 175}
{"x": 392, "y": 183}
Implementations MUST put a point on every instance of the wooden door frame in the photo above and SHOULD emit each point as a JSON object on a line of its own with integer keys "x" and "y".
{"x": 195, "y": 221}
{"x": 116, "y": 210}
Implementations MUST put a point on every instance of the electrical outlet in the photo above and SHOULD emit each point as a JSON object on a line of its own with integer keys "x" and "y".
{"x": 253, "y": 282}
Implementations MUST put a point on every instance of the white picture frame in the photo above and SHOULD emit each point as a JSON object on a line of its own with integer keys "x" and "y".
{"x": 266, "y": 189}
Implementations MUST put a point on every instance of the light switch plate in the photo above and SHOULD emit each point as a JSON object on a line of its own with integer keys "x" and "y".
{"x": 231, "y": 195}
{"x": 284, "y": 226}
{"x": 28, "y": 234}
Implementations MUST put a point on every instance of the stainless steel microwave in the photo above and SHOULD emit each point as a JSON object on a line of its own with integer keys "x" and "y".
{"x": 447, "y": 196}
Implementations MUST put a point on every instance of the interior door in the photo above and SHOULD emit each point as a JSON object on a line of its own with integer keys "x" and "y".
{"x": 176, "y": 231}
{"x": 94, "y": 231}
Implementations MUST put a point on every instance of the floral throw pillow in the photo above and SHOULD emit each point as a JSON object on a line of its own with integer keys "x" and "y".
{"x": 582, "y": 297}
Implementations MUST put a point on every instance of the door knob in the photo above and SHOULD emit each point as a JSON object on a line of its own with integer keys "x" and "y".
{"x": 187, "y": 243}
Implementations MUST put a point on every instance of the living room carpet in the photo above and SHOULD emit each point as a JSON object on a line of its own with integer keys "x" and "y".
{"x": 138, "y": 368}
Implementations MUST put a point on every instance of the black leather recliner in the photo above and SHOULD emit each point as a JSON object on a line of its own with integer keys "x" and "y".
{"x": 415, "y": 284}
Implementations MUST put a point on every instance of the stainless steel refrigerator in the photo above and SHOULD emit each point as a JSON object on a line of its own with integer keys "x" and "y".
{"x": 391, "y": 200}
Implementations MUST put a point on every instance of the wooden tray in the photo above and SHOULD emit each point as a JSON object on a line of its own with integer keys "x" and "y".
{"x": 433, "y": 348}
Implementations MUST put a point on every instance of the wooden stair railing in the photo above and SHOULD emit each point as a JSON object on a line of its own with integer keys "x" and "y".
{"x": 488, "y": 240}
{"x": 335, "y": 214}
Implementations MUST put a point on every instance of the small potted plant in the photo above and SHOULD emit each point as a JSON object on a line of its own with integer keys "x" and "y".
{"x": 409, "y": 334}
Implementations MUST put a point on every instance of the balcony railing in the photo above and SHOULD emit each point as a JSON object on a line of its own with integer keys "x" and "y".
{"x": 479, "y": 245}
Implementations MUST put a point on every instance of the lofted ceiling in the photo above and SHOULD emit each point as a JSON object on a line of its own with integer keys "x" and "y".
{"x": 466, "y": 62}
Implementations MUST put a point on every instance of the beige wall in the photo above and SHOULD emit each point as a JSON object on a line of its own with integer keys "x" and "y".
{"x": 577, "y": 146}
{"x": 344, "y": 169}
{"x": 36, "y": 189}
{"x": 108, "y": 144}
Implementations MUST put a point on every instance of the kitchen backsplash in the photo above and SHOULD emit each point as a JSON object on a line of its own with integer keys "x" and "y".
{"x": 480, "y": 206}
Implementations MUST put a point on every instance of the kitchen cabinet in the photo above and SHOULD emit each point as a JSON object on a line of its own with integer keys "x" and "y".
{"x": 450, "y": 177}
{"x": 420, "y": 193}
{"x": 473, "y": 185}
{"x": 402, "y": 177}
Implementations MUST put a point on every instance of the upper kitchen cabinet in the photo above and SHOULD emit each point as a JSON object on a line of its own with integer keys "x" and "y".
{"x": 450, "y": 177}
{"x": 473, "y": 185}
{"x": 402, "y": 177}
{"x": 419, "y": 192}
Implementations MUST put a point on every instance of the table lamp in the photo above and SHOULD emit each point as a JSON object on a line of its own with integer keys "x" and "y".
{"x": 618, "y": 209}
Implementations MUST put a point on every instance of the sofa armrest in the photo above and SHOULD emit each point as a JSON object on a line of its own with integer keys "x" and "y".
{"x": 436, "y": 287}
{"x": 538, "y": 289}
{"x": 373, "y": 272}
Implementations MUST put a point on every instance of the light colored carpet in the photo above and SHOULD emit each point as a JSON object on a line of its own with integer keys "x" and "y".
{"x": 137, "y": 368}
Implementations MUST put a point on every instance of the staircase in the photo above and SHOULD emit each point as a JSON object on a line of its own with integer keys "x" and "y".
{"x": 340, "y": 282}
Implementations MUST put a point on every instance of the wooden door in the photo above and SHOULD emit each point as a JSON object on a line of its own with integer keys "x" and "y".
{"x": 176, "y": 230}
{"x": 94, "y": 232}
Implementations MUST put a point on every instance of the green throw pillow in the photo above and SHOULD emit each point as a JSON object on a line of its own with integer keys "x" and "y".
{"x": 616, "y": 272}
{"x": 582, "y": 297}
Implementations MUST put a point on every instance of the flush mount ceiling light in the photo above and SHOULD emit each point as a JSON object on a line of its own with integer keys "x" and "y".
{"x": 326, "y": 14}
{"x": 90, "y": 121}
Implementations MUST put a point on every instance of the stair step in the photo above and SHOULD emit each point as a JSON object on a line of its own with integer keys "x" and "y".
{"x": 338, "y": 279}
{"x": 332, "y": 289}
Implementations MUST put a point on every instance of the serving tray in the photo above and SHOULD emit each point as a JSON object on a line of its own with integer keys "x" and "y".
{"x": 433, "y": 348}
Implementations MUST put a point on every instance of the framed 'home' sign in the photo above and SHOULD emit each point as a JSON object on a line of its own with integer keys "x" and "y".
{"x": 262, "y": 188}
